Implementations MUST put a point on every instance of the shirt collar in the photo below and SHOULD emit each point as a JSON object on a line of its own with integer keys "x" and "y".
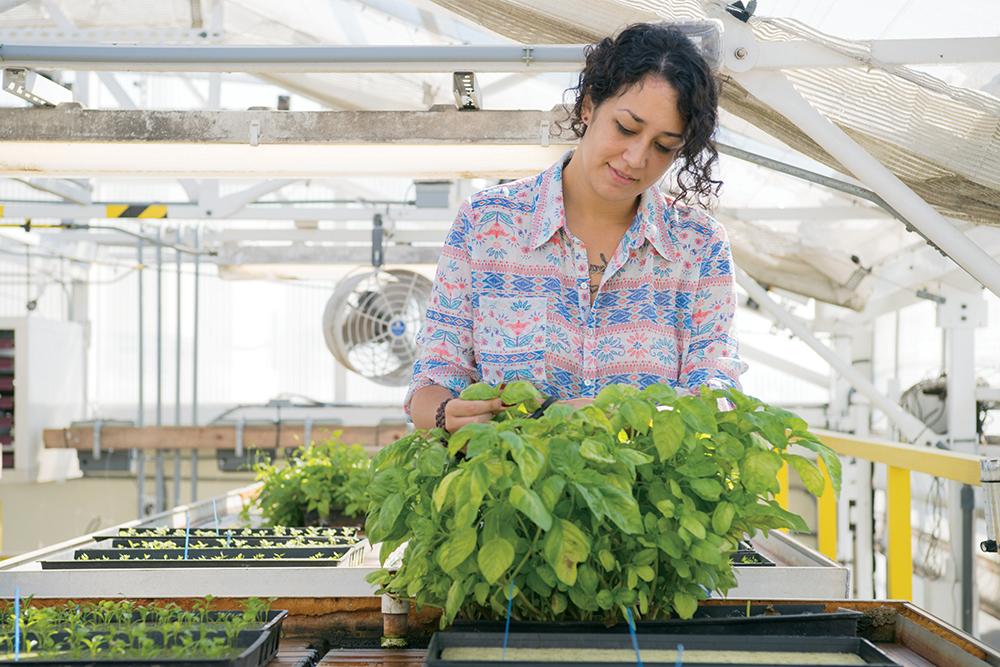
{"x": 650, "y": 224}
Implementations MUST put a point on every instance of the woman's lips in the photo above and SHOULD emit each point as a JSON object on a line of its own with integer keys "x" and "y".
{"x": 621, "y": 178}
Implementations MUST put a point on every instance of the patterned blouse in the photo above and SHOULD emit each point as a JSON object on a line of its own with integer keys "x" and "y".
{"x": 512, "y": 298}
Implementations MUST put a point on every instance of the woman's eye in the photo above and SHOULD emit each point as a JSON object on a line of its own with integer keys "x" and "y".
{"x": 623, "y": 129}
{"x": 663, "y": 149}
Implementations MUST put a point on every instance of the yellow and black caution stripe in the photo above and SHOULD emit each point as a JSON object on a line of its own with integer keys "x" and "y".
{"x": 136, "y": 210}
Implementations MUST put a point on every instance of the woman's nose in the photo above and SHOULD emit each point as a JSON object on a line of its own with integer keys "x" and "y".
{"x": 634, "y": 155}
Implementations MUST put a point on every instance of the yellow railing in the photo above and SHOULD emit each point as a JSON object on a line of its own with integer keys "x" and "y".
{"x": 901, "y": 461}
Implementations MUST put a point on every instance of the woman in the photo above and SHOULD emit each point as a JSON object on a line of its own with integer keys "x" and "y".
{"x": 586, "y": 274}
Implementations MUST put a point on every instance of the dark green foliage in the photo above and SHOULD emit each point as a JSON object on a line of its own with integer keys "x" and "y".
{"x": 584, "y": 513}
{"x": 321, "y": 478}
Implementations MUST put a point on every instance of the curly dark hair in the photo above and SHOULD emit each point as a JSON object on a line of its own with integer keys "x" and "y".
{"x": 659, "y": 49}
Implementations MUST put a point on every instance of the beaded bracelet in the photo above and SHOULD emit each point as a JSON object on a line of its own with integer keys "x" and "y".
{"x": 439, "y": 416}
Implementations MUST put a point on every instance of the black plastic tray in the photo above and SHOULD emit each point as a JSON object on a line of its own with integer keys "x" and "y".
{"x": 237, "y": 532}
{"x": 260, "y": 647}
{"x": 118, "y": 542}
{"x": 329, "y": 552}
{"x": 169, "y": 564}
{"x": 758, "y": 560}
{"x": 798, "y": 620}
{"x": 583, "y": 642}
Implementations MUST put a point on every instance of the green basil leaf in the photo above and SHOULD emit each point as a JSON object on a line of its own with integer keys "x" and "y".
{"x": 722, "y": 517}
{"x": 709, "y": 489}
{"x": 595, "y": 450}
{"x": 637, "y": 413}
{"x": 668, "y": 433}
{"x": 520, "y": 391}
{"x": 479, "y": 392}
{"x": 693, "y": 526}
{"x": 528, "y": 503}
{"x": 454, "y": 552}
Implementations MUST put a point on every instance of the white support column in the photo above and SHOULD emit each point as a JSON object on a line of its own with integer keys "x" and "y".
{"x": 860, "y": 347}
{"x": 775, "y": 90}
{"x": 962, "y": 312}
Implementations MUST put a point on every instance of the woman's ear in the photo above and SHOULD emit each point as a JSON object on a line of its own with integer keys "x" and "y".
{"x": 586, "y": 110}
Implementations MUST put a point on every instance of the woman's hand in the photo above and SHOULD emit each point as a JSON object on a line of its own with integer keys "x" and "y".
{"x": 459, "y": 412}
{"x": 577, "y": 403}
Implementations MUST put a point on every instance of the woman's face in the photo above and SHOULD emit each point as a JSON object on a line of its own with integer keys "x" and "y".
{"x": 631, "y": 139}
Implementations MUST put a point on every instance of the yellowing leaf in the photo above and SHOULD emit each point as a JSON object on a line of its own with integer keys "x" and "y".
{"x": 811, "y": 476}
{"x": 685, "y": 604}
{"x": 494, "y": 558}
{"x": 565, "y": 546}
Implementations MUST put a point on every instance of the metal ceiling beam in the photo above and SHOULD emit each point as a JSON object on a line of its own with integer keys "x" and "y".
{"x": 409, "y": 58}
{"x": 262, "y": 211}
{"x": 312, "y": 59}
{"x": 440, "y": 143}
{"x": 72, "y": 191}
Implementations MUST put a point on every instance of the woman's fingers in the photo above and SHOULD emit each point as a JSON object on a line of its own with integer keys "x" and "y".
{"x": 452, "y": 424}
{"x": 462, "y": 408}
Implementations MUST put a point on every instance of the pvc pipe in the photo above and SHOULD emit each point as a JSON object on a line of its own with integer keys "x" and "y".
{"x": 177, "y": 373}
{"x": 313, "y": 59}
{"x": 161, "y": 486}
{"x": 911, "y": 427}
{"x": 140, "y": 462}
{"x": 775, "y": 90}
{"x": 194, "y": 361}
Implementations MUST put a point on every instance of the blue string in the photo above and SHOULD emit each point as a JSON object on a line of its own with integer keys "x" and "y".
{"x": 680, "y": 656}
{"x": 215, "y": 513}
{"x": 187, "y": 533}
{"x": 229, "y": 537}
{"x": 506, "y": 630}
{"x": 17, "y": 624}
{"x": 635, "y": 638}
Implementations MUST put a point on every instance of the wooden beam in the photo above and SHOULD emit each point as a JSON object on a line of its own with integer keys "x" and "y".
{"x": 260, "y": 436}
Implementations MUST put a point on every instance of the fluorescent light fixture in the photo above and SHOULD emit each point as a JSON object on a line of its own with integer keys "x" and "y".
{"x": 34, "y": 88}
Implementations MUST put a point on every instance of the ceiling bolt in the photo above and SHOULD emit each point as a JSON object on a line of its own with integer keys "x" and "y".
{"x": 741, "y": 53}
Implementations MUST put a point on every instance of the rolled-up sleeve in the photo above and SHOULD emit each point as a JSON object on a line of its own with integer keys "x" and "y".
{"x": 712, "y": 354}
{"x": 445, "y": 354}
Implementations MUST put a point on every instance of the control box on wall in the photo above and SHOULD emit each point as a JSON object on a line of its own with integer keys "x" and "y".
{"x": 42, "y": 385}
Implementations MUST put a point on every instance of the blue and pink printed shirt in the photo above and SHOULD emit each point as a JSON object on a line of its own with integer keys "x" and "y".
{"x": 512, "y": 299}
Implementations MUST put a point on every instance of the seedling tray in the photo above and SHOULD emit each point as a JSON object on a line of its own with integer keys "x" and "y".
{"x": 224, "y": 542}
{"x": 288, "y": 531}
{"x": 259, "y": 648}
{"x": 281, "y": 553}
{"x": 796, "y": 620}
{"x": 749, "y": 558}
{"x": 486, "y": 648}
{"x": 181, "y": 563}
